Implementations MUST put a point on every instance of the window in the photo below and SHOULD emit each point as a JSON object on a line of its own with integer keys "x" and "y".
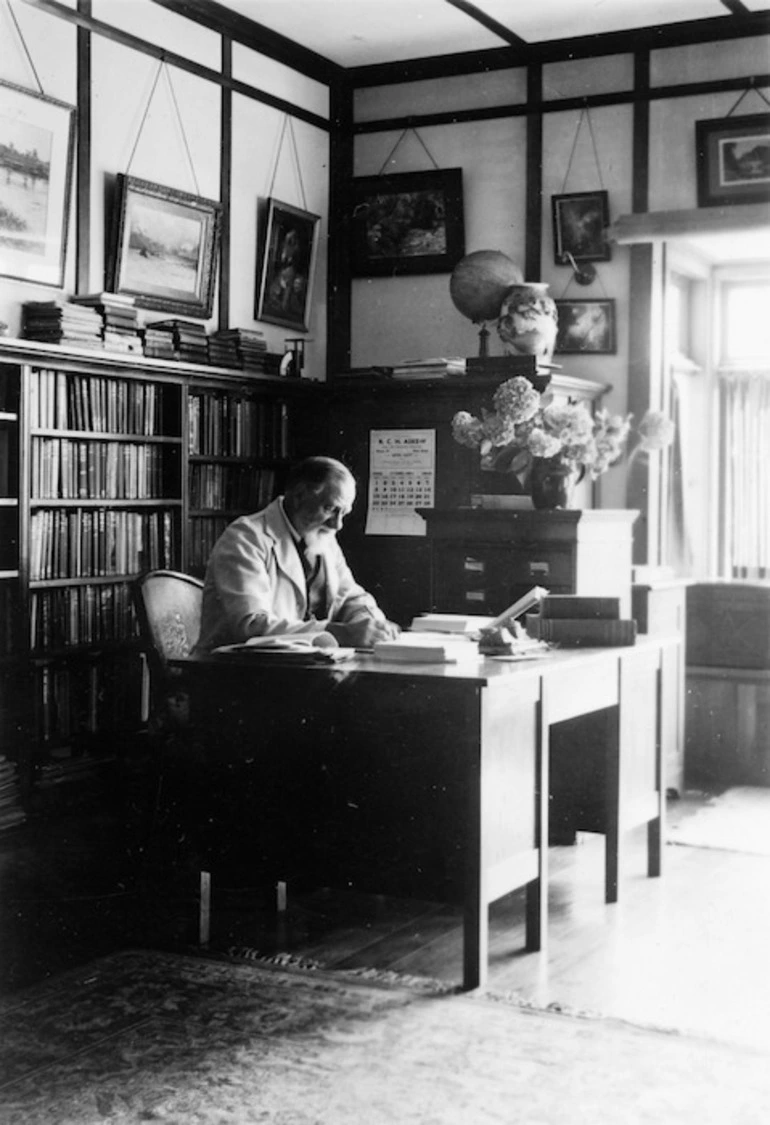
{"x": 743, "y": 334}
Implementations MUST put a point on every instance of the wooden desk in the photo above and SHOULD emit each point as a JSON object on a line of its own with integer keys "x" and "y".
{"x": 451, "y": 761}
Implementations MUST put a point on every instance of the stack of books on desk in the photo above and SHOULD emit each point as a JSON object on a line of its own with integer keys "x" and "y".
{"x": 573, "y": 620}
{"x": 427, "y": 648}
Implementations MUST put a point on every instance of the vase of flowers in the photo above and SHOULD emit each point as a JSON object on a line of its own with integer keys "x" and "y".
{"x": 550, "y": 445}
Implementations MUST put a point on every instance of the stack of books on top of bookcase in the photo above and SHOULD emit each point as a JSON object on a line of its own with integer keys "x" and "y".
{"x": 244, "y": 349}
{"x": 187, "y": 339}
{"x": 574, "y": 620}
{"x": 120, "y": 320}
{"x": 61, "y": 322}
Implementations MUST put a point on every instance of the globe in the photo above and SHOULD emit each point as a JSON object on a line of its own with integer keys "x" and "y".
{"x": 479, "y": 282}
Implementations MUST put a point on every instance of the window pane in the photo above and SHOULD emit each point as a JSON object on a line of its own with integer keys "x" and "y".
{"x": 746, "y": 321}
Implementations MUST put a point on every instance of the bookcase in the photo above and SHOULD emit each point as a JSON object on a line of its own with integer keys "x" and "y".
{"x": 111, "y": 466}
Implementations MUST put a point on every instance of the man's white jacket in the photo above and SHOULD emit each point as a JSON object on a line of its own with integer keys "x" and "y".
{"x": 255, "y": 584}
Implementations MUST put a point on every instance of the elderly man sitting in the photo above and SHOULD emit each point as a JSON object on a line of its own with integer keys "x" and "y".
{"x": 281, "y": 570}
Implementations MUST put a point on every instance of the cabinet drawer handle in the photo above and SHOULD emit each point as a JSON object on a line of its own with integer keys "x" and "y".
{"x": 539, "y": 569}
{"x": 473, "y": 566}
{"x": 475, "y": 596}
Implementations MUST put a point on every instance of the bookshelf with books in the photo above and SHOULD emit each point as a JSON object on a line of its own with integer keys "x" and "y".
{"x": 241, "y": 439}
{"x": 111, "y": 465}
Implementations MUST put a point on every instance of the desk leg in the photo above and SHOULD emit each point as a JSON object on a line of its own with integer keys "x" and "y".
{"x": 537, "y": 891}
{"x": 612, "y": 801}
{"x": 655, "y": 826}
{"x": 476, "y": 913}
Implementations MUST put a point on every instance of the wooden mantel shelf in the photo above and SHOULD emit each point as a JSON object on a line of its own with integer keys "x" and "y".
{"x": 657, "y": 226}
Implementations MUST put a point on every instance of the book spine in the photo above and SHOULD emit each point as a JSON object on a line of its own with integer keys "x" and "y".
{"x": 588, "y": 631}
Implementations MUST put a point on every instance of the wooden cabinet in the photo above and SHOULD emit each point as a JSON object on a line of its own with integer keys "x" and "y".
{"x": 659, "y": 606}
{"x": 396, "y": 568}
{"x": 482, "y": 560}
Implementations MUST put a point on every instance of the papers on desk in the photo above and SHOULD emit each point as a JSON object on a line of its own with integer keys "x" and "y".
{"x": 291, "y": 647}
{"x": 467, "y": 624}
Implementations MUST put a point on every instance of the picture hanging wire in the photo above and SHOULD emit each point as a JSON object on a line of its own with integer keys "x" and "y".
{"x": 162, "y": 67}
{"x": 584, "y": 114}
{"x": 23, "y": 42}
{"x": 391, "y": 154}
{"x": 586, "y": 273}
{"x": 748, "y": 90}
{"x": 287, "y": 125}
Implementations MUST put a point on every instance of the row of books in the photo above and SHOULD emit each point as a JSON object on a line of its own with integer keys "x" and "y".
{"x": 96, "y": 404}
{"x": 11, "y": 811}
{"x": 203, "y": 534}
{"x": 71, "y": 470}
{"x": 97, "y": 543}
{"x": 86, "y": 697}
{"x": 110, "y": 322}
{"x": 231, "y": 487}
{"x": 221, "y": 425}
{"x": 80, "y": 615}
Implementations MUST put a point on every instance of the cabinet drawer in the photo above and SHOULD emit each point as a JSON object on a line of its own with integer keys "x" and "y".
{"x": 475, "y": 579}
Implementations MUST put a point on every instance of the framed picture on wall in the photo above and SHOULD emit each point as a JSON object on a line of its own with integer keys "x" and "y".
{"x": 408, "y": 223}
{"x": 164, "y": 248}
{"x": 36, "y": 150}
{"x": 580, "y": 223}
{"x": 586, "y": 327}
{"x": 286, "y": 265}
{"x": 733, "y": 160}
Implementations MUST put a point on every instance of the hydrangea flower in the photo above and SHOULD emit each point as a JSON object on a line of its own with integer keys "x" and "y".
{"x": 525, "y": 424}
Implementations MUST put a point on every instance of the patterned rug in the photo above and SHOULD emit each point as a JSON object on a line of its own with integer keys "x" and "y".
{"x": 142, "y": 1036}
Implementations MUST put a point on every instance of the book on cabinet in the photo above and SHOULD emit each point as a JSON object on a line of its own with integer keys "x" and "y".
{"x": 111, "y": 466}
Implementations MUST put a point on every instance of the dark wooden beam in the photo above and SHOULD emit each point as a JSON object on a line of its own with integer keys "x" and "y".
{"x": 225, "y": 186}
{"x": 83, "y": 158}
{"x": 338, "y": 301}
{"x": 97, "y": 27}
{"x": 534, "y": 178}
{"x": 560, "y": 105}
{"x": 686, "y": 33}
{"x": 255, "y": 35}
{"x": 490, "y": 24}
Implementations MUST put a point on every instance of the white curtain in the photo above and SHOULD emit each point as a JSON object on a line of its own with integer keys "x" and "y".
{"x": 745, "y": 415}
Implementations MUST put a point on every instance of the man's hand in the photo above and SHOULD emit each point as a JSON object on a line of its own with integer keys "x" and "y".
{"x": 364, "y": 633}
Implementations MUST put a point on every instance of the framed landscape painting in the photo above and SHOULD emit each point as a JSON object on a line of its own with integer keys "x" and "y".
{"x": 733, "y": 160}
{"x": 286, "y": 265}
{"x": 586, "y": 326}
{"x": 408, "y": 223}
{"x": 36, "y": 150}
{"x": 164, "y": 248}
{"x": 580, "y": 223}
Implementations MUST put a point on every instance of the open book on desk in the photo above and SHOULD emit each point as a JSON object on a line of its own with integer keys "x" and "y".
{"x": 291, "y": 648}
{"x": 471, "y": 624}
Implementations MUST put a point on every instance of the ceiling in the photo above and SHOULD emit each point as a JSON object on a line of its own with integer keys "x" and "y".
{"x": 354, "y": 33}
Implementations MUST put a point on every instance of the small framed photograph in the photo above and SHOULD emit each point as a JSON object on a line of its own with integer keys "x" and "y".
{"x": 408, "y": 223}
{"x": 586, "y": 327}
{"x": 164, "y": 248}
{"x": 580, "y": 224}
{"x": 286, "y": 265}
{"x": 36, "y": 152}
{"x": 733, "y": 160}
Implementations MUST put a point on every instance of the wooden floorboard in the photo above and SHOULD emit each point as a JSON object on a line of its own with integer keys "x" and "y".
{"x": 688, "y": 950}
